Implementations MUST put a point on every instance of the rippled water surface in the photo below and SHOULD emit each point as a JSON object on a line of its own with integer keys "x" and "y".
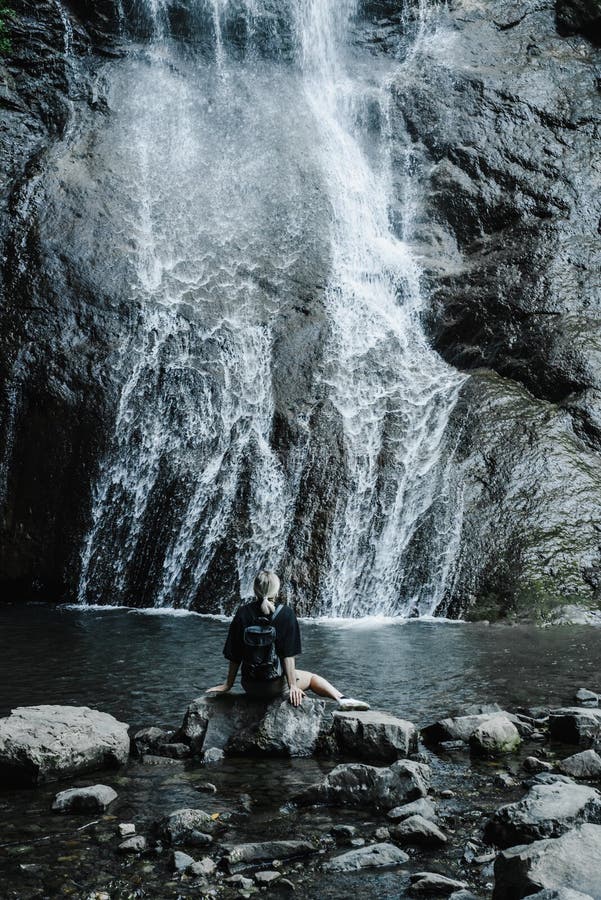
{"x": 144, "y": 667}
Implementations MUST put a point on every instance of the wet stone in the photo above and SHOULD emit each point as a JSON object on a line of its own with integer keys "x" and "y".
{"x": 420, "y": 831}
{"x": 374, "y": 856}
{"x": 431, "y": 884}
{"x": 135, "y": 844}
{"x": 95, "y": 798}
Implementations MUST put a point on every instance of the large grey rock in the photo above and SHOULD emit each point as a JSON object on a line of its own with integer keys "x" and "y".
{"x": 495, "y": 737}
{"x": 586, "y": 764}
{"x": 431, "y": 884}
{"x": 570, "y": 861}
{"x": 236, "y": 723}
{"x": 575, "y": 725}
{"x": 44, "y": 743}
{"x": 357, "y": 784}
{"x": 374, "y": 856}
{"x": 418, "y": 830}
{"x": 461, "y": 728}
{"x": 374, "y": 735}
{"x": 548, "y": 810}
{"x": 97, "y": 797}
{"x": 192, "y": 827}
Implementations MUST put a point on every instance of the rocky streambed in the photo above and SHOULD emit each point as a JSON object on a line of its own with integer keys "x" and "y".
{"x": 247, "y": 798}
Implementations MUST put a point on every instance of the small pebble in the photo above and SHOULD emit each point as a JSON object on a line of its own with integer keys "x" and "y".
{"x": 266, "y": 877}
{"x": 133, "y": 844}
{"x": 126, "y": 829}
{"x": 447, "y": 795}
{"x": 382, "y": 834}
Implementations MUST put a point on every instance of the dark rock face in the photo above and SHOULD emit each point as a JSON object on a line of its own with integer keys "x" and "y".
{"x": 503, "y": 116}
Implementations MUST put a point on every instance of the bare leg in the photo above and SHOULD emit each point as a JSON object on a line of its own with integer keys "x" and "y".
{"x": 307, "y": 681}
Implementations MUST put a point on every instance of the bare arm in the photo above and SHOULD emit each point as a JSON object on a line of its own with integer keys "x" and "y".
{"x": 229, "y": 681}
{"x": 296, "y": 695}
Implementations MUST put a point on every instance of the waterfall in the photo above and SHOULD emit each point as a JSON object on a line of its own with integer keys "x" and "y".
{"x": 236, "y": 167}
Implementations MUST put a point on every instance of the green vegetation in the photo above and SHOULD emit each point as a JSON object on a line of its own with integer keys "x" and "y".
{"x": 6, "y": 14}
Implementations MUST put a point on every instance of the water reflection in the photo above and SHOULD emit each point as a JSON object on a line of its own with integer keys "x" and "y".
{"x": 145, "y": 668}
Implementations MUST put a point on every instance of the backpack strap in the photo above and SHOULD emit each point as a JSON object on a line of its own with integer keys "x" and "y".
{"x": 277, "y": 610}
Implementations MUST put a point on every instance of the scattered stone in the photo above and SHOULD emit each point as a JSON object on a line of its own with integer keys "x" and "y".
{"x": 240, "y": 881}
{"x": 374, "y": 856}
{"x": 538, "y": 736}
{"x": 548, "y": 778}
{"x": 452, "y": 745}
{"x": 135, "y": 844}
{"x": 586, "y": 764}
{"x": 206, "y": 787}
{"x": 125, "y": 829}
{"x": 534, "y": 765}
{"x": 150, "y": 759}
{"x": 495, "y": 737}
{"x": 505, "y": 780}
{"x": 463, "y": 895}
{"x": 357, "y": 842}
{"x": 575, "y": 725}
{"x": 150, "y": 740}
{"x": 174, "y": 751}
{"x": 478, "y": 709}
{"x": 417, "y": 830}
{"x": 267, "y": 850}
{"x": 431, "y": 884}
{"x": 204, "y": 866}
{"x": 95, "y": 798}
{"x": 587, "y": 698}
{"x": 213, "y": 756}
{"x": 357, "y": 784}
{"x": 447, "y": 794}
{"x": 180, "y": 861}
{"x": 286, "y": 883}
{"x": 570, "y": 861}
{"x": 485, "y": 858}
{"x": 191, "y": 827}
{"x": 45, "y": 743}
{"x": 422, "y": 807}
{"x": 382, "y": 834}
{"x": 267, "y": 877}
{"x": 461, "y": 728}
{"x": 374, "y": 735}
{"x": 548, "y": 810}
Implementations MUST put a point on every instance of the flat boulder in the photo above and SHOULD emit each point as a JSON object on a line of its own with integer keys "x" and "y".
{"x": 374, "y": 735}
{"x": 419, "y": 831}
{"x": 374, "y": 856}
{"x": 547, "y": 810}
{"x": 380, "y": 787}
{"x": 495, "y": 737}
{"x": 95, "y": 798}
{"x": 237, "y": 723}
{"x": 187, "y": 827}
{"x": 45, "y": 743}
{"x": 570, "y": 861}
{"x": 586, "y": 764}
{"x": 576, "y": 725}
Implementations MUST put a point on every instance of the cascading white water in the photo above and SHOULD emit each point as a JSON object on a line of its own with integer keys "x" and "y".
{"x": 225, "y": 163}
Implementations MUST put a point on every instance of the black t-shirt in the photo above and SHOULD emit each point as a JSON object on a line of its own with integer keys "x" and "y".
{"x": 287, "y": 632}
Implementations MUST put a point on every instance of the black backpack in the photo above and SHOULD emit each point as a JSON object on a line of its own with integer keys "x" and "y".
{"x": 261, "y": 661}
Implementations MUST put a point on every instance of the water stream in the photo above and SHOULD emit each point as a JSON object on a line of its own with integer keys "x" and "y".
{"x": 254, "y": 161}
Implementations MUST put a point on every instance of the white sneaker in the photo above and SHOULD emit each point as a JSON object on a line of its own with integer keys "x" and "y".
{"x": 347, "y": 703}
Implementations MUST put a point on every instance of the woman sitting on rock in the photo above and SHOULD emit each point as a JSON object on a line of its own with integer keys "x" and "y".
{"x": 265, "y": 639}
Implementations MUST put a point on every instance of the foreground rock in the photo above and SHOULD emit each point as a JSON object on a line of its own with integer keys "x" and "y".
{"x": 548, "y": 810}
{"x": 423, "y": 807}
{"x": 570, "y": 861}
{"x": 495, "y": 737}
{"x": 576, "y": 725}
{"x": 374, "y": 735}
{"x": 239, "y": 855}
{"x": 357, "y": 784}
{"x": 236, "y": 723}
{"x": 87, "y": 799}
{"x": 375, "y": 856}
{"x": 586, "y": 764}
{"x": 187, "y": 827}
{"x": 559, "y": 894}
{"x": 463, "y": 728}
{"x": 44, "y": 743}
{"x": 431, "y": 884}
{"x": 420, "y": 831}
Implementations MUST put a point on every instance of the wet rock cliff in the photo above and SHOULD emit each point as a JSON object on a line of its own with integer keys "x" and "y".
{"x": 503, "y": 121}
